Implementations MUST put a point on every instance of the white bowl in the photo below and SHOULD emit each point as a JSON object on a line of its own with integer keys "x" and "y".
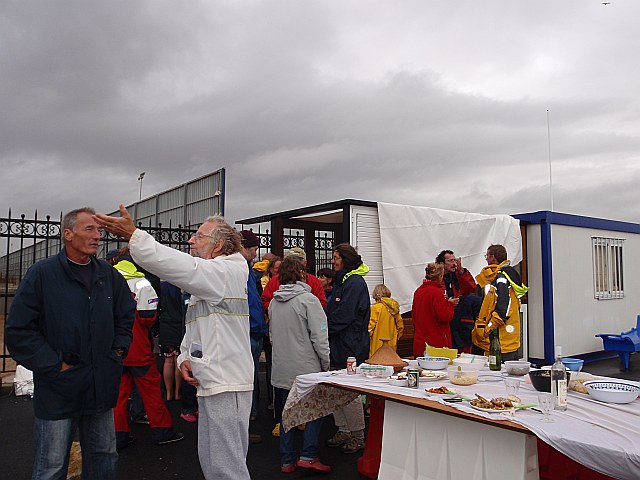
{"x": 517, "y": 367}
{"x": 398, "y": 382}
{"x": 466, "y": 364}
{"x": 471, "y": 358}
{"x": 433, "y": 363}
{"x": 613, "y": 391}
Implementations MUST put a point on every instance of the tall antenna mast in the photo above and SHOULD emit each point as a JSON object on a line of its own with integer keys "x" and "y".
{"x": 549, "y": 147}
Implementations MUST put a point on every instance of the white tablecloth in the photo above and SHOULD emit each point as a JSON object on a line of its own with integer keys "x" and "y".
{"x": 421, "y": 444}
{"x": 604, "y": 437}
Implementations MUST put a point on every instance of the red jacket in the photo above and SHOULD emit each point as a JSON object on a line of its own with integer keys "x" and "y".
{"x": 140, "y": 352}
{"x": 431, "y": 314}
{"x": 274, "y": 284}
{"x": 466, "y": 284}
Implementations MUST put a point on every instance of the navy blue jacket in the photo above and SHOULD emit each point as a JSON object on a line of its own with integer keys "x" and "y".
{"x": 348, "y": 319}
{"x": 257, "y": 324}
{"x": 54, "y": 318}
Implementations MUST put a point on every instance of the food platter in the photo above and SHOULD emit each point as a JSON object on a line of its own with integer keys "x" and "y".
{"x": 443, "y": 392}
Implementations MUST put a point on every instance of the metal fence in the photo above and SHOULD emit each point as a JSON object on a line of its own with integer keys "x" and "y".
{"x": 323, "y": 244}
{"x": 24, "y": 242}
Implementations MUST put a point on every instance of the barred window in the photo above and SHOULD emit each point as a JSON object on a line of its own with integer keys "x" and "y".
{"x": 608, "y": 278}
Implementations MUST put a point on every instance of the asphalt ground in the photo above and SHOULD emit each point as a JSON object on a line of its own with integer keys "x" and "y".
{"x": 143, "y": 460}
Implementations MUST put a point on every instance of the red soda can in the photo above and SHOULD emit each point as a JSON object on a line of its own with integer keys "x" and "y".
{"x": 351, "y": 365}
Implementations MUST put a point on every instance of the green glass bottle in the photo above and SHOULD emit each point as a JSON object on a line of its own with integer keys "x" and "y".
{"x": 495, "y": 352}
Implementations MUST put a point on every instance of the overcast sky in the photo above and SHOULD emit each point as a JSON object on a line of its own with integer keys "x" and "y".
{"x": 434, "y": 103}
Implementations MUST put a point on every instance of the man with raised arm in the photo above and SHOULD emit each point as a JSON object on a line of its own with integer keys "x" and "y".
{"x": 215, "y": 354}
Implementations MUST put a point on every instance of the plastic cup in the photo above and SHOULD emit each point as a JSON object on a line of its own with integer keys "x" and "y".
{"x": 512, "y": 385}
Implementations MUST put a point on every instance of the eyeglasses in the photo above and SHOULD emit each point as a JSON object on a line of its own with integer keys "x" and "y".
{"x": 200, "y": 236}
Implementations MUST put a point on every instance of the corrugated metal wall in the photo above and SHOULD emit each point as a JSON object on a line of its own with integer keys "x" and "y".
{"x": 188, "y": 204}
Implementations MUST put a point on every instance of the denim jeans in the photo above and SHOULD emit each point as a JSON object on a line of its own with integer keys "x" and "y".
{"x": 256, "y": 349}
{"x": 52, "y": 443}
{"x": 310, "y": 436}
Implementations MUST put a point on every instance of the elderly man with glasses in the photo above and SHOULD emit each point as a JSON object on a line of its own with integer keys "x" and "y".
{"x": 215, "y": 354}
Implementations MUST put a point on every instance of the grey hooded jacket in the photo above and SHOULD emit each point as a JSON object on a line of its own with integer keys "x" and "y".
{"x": 298, "y": 330}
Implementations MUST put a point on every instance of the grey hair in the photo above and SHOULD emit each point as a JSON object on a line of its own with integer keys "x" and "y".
{"x": 224, "y": 231}
{"x": 71, "y": 218}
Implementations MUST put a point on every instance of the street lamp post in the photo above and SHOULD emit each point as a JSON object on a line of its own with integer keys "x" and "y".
{"x": 140, "y": 180}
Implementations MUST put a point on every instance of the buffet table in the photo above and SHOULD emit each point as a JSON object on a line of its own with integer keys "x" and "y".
{"x": 424, "y": 437}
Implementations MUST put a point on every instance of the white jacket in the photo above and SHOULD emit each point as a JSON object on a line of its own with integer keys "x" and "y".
{"x": 216, "y": 341}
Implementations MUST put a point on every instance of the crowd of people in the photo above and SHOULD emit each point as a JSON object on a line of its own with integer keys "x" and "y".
{"x": 86, "y": 329}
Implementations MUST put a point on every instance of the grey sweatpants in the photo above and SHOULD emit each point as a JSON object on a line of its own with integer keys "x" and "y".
{"x": 223, "y": 435}
{"x": 350, "y": 419}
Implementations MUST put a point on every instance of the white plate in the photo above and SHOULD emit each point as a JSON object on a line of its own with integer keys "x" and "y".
{"x": 489, "y": 410}
{"x": 437, "y": 376}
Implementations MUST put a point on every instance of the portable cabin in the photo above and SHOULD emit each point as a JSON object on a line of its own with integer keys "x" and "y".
{"x": 582, "y": 279}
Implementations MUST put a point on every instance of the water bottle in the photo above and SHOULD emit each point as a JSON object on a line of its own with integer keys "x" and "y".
{"x": 559, "y": 382}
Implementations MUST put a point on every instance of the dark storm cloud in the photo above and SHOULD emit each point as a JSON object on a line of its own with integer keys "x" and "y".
{"x": 306, "y": 102}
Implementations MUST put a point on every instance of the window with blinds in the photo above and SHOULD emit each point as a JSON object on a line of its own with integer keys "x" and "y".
{"x": 608, "y": 278}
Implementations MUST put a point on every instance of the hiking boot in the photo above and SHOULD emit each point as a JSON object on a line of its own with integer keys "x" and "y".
{"x": 276, "y": 430}
{"x": 353, "y": 445}
{"x": 314, "y": 464}
{"x": 176, "y": 437}
{"x": 340, "y": 438}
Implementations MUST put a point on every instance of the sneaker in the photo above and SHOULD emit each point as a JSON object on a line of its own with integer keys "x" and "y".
{"x": 176, "y": 437}
{"x": 292, "y": 467}
{"x": 255, "y": 438}
{"x": 302, "y": 426}
{"x": 143, "y": 420}
{"x": 189, "y": 417}
{"x": 276, "y": 430}
{"x": 353, "y": 445}
{"x": 340, "y": 438}
{"x": 314, "y": 464}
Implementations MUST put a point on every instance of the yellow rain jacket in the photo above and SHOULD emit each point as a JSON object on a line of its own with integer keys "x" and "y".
{"x": 500, "y": 307}
{"x": 385, "y": 322}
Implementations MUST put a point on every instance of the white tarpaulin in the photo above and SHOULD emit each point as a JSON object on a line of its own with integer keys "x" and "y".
{"x": 412, "y": 236}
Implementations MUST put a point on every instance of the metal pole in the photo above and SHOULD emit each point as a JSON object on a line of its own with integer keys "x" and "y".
{"x": 140, "y": 179}
{"x": 549, "y": 146}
